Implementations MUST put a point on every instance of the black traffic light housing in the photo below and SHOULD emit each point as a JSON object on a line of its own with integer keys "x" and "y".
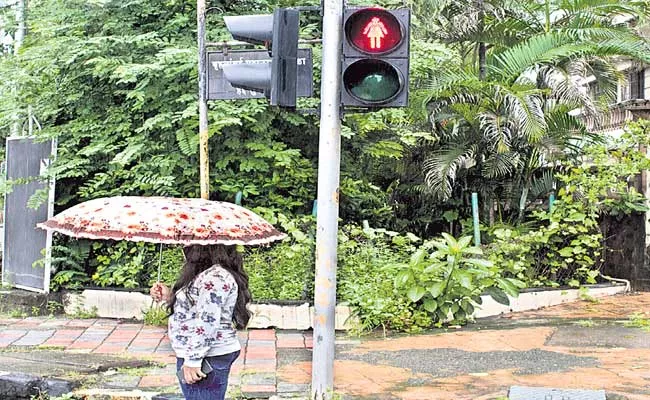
{"x": 375, "y": 62}
{"x": 279, "y": 32}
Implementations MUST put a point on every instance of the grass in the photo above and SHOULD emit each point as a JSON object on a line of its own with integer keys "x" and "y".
{"x": 639, "y": 320}
{"x": 583, "y": 294}
{"x": 17, "y": 314}
{"x": 586, "y": 323}
{"x": 136, "y": 371}
{"x": 83, "y": 313}
{"x": 53, "y": 348}
{"x": 156, "y": 315}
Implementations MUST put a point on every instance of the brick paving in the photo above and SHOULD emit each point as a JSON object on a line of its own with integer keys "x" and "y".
{"x": 598, "y": 354}
{"x": 253, "y": 373}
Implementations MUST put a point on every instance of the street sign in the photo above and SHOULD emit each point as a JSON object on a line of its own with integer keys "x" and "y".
{"x": 220, "y": 89}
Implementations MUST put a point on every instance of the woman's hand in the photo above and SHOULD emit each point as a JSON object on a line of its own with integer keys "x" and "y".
{"x": 160, "y": 292}
{"x": 192, "y": 374}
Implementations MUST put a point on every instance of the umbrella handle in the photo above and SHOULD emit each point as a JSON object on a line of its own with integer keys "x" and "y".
{"x": 160, "y": 263}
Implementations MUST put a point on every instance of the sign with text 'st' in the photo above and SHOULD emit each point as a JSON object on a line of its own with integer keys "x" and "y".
{"x": 220, "y": 89}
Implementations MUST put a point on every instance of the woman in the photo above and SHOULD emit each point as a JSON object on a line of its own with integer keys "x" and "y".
{"x": 207, "y": 305}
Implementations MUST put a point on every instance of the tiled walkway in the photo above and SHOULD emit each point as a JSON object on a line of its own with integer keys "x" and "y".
{"x": 253, "y": 374}
{"x": 582, "y": 345}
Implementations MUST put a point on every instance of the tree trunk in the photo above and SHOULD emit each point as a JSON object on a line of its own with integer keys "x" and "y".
{"x": 491, "y": 211}
{"x": 522, "y": 203}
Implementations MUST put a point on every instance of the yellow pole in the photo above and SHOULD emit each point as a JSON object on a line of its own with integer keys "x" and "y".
{"x": 203, "y": 104}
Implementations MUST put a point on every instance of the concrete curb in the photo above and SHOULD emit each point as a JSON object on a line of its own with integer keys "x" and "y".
{"x": 131, "y": 305}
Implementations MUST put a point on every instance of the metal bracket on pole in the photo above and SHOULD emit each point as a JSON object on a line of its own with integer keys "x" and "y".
{"x": 237, "y": 43}
{"x": 308, "y": 111}
{"x": 309, "y": 8}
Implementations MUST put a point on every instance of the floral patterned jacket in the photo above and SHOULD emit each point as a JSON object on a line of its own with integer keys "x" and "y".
{"x": 201, "y": 325}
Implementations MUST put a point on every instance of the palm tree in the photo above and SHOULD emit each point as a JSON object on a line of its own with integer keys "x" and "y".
{"x": 504, "y": 119}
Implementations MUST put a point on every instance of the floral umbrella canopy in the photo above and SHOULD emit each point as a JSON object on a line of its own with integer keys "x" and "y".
{"x": 164, "y": 220}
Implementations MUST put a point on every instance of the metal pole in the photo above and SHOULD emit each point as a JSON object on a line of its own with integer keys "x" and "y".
{"x": 18, "y": 41}
{"x": 551, "y": 200}
{"x": 477, "y": 230}
{"x": 203, "y": 104}
{"x": 20, "y": 19}
{"x": 329, "y": 163}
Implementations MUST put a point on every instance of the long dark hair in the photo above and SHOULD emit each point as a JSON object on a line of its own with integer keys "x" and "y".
{"x": 199, "y": 258}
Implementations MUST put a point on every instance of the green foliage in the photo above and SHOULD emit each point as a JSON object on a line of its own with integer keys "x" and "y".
{"x": 16, "y": 313}
{"x": 54, "y": 307}
{"x": 446, "y": 277}
{"x": 364, "y": 273}
{"x": 365, "y": 259}
{"x": 156, "y": 315}
{"x": 639, "y": 320}
{"x": 116, "y": 84}
{"x": 284, "y": 271}
{"x": 80, "y": 312}
{"x": 502, "y": 113}
{"x": 121, "y": 264}
{"x": 559, "y": 252}
{"x": 566, "y": 245}
{"x": 170, "y": 264}
{"x": 586, "y": 323}
{"x": 69, "y": 264}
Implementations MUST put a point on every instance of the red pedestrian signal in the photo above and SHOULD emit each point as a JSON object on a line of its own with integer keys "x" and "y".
{"x": 375, "y": 57}
{"x": 373, "y": 30}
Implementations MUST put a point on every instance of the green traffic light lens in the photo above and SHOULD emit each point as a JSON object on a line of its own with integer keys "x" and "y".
{"x": 372, "y": 81}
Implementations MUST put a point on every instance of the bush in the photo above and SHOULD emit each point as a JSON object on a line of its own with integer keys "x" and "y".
{"x": 445, "y": 279}
{"x": 284, "y": 271}
{"x": 364, "y": 276}
{"x": 366, "y": 258}
{"x": 565, "y": 247}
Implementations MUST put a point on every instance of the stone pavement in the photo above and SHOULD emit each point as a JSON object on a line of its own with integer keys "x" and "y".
{"x": 582, "y": 345}
{"x": 253, "y": 374}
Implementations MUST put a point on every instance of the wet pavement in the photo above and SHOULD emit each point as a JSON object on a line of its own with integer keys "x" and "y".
{"x": 582, "y": 345}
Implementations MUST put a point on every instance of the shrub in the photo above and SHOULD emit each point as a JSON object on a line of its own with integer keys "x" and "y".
{"x": 566, "y": 246}
{"x": 446, "y": 277}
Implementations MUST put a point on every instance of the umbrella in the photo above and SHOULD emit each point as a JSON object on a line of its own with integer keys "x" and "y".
{"x": 164, "y": 220}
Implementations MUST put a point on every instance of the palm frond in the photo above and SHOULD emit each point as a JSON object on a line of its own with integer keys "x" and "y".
{"x": 442, "y": 167}
{"x": 501, "y": 164}
{"x": 542, "y": 184}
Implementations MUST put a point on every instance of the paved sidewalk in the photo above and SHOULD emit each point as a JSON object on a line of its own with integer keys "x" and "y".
{"x": 253, "y": 374}
{"x": 583, "y": 345}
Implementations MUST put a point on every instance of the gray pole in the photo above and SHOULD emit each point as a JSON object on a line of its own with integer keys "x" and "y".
{"x": 329, "y": 163}
{"x": 20, "y": 19}
{"x": 204, "y": 174}
{"x": 21, "y": 13}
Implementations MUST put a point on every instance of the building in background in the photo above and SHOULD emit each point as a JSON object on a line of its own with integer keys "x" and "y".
{"x": 632, "y": 97}
{"x": 632, "y": 100}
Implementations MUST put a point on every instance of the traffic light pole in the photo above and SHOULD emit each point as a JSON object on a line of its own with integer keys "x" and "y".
{"x": 329, "y": 163}
{"x": 204, "y": 172}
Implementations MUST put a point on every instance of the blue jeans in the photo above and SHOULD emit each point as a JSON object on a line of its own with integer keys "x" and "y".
{"x": 214, "y": 386}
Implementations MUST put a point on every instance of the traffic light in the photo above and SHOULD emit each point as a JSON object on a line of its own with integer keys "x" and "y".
{"x": 279, "y": 32}
{"x": 375, "y": 70}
